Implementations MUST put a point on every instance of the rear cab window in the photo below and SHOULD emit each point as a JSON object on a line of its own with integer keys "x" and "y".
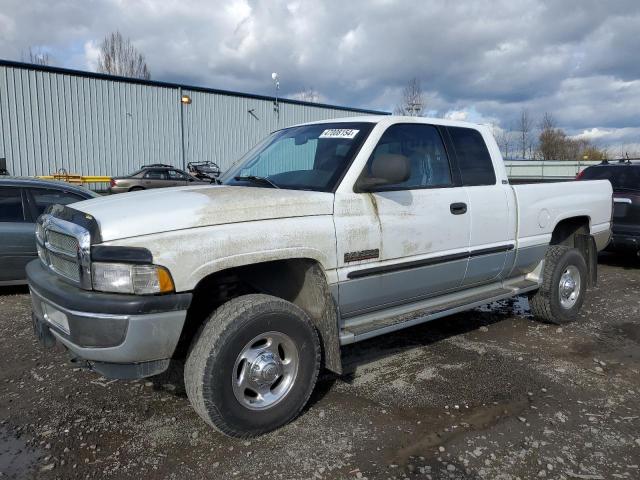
{"x": 11, "y": 207}
{"x": 472, "y": 155}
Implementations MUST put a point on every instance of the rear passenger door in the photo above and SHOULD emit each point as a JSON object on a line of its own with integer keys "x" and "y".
{"x": 17, "y": 235}
{"x": 491, "y": 207}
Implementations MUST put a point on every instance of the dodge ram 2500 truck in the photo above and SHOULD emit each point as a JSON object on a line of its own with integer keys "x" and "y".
{"x": 323, "y": 235}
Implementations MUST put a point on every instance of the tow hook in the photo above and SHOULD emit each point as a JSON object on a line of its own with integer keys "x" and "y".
{"x": 78, "y": 362}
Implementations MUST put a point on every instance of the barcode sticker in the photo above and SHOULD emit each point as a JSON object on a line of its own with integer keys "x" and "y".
{"x": 339, "y": 133}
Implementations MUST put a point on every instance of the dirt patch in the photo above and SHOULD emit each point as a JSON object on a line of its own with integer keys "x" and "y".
{"x": 486, "y": 394}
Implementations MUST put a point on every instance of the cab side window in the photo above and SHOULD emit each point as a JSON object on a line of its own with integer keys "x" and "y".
{"x": 473, "y": 157}
{"x": 423, "y": 147}
{"x": 11, "y": 209}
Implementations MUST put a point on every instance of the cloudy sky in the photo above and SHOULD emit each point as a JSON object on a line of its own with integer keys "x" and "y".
{"x": 477, "y": 60}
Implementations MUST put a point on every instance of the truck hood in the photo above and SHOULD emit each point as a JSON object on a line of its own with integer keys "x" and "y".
{"x": 166, "y": 209}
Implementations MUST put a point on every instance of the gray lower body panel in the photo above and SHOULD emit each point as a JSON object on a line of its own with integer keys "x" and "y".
{"x": 526, "y": 260}
{"x": 485, "y": 268}
{"x": 140, "y": 338}
{"x": 387, "y": 289}
{"x": 385, "y": 321}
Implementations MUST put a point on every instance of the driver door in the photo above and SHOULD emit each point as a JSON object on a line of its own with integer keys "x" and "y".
{"x": 404, "y": 242}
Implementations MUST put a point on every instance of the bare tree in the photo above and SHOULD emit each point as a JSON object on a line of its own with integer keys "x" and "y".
{"x": 555, "y": 144}
{"x": 36, "y": 56}
{"x": 413, "y": 102}
{"x": 525, "y": 125}
{"x": 503, "y": 139}
{"x": 551, "y": 141}
{"x": 308, "y": 94}
{"x": 119, "y": 57}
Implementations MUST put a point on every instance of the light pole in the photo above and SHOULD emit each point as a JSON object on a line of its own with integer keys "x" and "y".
{"x": 276, "y": 83}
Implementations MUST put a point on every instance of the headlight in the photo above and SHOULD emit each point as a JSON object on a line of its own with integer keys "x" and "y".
{"x": 127, "y": 278}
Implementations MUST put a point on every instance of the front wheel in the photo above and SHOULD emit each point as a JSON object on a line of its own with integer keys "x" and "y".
{"x": 253, "y": 365}
{"x": 564, "y": 283}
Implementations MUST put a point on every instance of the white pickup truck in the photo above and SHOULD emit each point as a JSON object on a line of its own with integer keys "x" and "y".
{"x": 324, "y": 234}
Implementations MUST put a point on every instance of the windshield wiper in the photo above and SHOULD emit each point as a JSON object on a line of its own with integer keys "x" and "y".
{"x": 256, "y": 179}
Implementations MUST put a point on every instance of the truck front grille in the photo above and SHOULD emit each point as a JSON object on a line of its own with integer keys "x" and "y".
{"x": 66, "y": 267}
{"x": 63, "y": 247}
{"x": 64, "y": 243}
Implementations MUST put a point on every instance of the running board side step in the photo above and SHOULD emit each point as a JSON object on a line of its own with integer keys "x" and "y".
{"x": 369, "y": 325}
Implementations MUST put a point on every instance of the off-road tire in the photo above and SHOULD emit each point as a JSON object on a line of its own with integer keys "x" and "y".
{"x": 545, "y": 303}
{"x": 214, "y": 350}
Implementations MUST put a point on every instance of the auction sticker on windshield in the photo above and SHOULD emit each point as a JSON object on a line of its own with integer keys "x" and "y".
{"x": 339, "y": 133}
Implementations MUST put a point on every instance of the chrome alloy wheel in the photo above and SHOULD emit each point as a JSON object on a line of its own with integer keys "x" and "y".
{"x": 265, "y": 370}
{"x": 569, "y": 287}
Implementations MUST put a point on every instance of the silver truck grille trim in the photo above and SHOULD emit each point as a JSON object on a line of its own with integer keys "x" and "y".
{"x": 64, "y": 247}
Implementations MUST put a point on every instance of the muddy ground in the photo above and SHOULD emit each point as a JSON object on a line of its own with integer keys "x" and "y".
{"x": 488, "y": 394}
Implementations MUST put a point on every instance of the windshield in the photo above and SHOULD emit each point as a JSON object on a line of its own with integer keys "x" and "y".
{"x": 622, "y": 177}
{"x": 309, "y": 157}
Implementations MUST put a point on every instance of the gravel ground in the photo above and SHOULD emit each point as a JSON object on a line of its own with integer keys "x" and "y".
{"x": 488, "y": 394}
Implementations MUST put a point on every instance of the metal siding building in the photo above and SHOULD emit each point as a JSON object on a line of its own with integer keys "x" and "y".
{"x": 93, "y": 124}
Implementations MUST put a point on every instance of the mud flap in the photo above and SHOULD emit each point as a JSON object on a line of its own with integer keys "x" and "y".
{"x": 587, "y": 245}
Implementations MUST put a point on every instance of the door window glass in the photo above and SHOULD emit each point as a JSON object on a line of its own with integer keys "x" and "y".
{"x": 423, "y": 147}
{"x": 177, "y": 175}
{"x": 43, "y": 197}
{"x": 156, "y": 175}
{"x": 11, "y": 205}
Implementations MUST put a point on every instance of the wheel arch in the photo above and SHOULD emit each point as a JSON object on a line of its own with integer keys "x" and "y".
{"x": 566, "y": 229}
{"x": 300, "y": 280}
{"x": 575, "y": 232}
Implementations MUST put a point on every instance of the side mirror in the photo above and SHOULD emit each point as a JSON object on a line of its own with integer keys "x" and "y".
{"x": 386, "y": 169}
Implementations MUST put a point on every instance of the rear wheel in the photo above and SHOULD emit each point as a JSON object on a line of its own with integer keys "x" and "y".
{"x": 253, "y": 365}
{"x": 136, "y": 189}
{"x": 564, "y": 282}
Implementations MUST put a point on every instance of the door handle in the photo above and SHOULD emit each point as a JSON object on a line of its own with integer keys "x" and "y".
{"x": 459, "y": 208}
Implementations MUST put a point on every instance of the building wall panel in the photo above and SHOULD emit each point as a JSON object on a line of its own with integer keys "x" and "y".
{"x": 89, "y": 124}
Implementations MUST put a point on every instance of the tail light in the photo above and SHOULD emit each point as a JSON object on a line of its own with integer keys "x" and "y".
{"x": 580, "y": 174}
{"x": 112, "y": 182}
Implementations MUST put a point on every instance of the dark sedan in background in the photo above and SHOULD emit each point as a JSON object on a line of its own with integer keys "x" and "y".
{"x": 22, "y": 200}
{"x": 625, "y": 180}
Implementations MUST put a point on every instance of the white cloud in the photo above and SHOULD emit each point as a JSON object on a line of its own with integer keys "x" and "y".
{"x": 7, "y": 27}
{"x": 594, "y": 133}
{"x": 570, "y": 58}
{"x": 460, "y": 115}
{"x": 91, "y": 55}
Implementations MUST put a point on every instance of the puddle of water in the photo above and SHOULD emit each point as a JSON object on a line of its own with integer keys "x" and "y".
{"x": 16, "y": 457}
{"x": 517, "y": 305}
